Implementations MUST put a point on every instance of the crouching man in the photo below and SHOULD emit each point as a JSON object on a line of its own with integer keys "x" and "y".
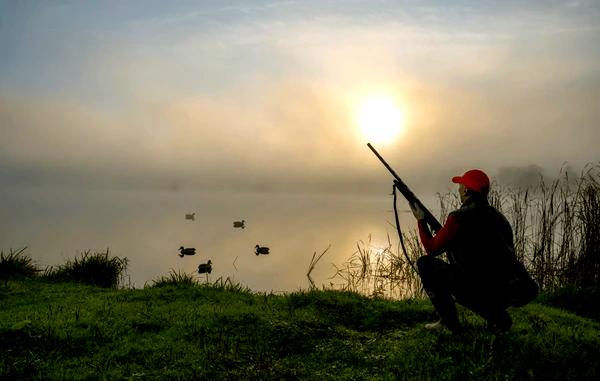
{"x": 478, "y": 241}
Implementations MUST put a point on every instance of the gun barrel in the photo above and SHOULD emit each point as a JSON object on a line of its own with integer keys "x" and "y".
{"x": 408, "y": 194}
{"x": 384, "y": 163}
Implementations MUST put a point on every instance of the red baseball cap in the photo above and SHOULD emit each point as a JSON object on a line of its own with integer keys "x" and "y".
{"x": 474, "y": 179}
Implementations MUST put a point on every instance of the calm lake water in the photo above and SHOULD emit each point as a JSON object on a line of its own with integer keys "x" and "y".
{"x": 148, "y": 227}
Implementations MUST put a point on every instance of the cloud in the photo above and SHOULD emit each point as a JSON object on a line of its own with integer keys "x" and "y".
{"x": 266, "y": 102}
{"x": 296, "y": 134}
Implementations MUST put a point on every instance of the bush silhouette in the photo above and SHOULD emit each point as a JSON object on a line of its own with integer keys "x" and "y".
{"x": 15, "y": 265}
{"x": 98, "y": 269}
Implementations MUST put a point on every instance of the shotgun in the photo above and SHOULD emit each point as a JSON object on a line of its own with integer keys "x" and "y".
{"x": 408, "y": 194}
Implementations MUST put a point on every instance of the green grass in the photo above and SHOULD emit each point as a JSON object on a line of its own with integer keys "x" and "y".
{"x": 584, "y": 301}
{"x": 175, "y": 278}
{"x": 52, "y": 330}
{"x": 97, "y": 269}
{"x": 16, "y": 265}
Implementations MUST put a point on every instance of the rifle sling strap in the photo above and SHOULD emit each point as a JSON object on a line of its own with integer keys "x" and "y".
{"x": 400, "y": 231}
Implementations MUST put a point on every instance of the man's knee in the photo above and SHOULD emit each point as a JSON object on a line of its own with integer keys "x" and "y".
{"x": 424, "y": 263}
{"x": 428, "y": 265}
{"x": 434, "y": 272}
{"x": 428, "y": 270}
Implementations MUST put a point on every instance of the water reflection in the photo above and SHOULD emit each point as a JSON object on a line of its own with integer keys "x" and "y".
{"x": 149, "y": 228}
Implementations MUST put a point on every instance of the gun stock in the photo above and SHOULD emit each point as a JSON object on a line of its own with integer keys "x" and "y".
{"x": 433, "y": 223}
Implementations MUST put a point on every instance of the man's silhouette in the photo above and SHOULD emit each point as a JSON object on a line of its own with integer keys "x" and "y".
{"x": 478, "y": 241}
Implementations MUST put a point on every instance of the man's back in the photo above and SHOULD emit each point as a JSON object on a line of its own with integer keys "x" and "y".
{"x": 483, "y": 249}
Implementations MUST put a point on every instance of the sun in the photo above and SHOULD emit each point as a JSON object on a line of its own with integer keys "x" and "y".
{"x": 379, "y": 119}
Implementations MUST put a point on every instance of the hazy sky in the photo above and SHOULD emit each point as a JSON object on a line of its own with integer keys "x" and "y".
{"x": 262, "y": 95}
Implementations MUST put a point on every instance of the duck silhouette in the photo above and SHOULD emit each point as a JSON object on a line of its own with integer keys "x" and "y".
{"x": 261, "y": 250}
{"x": 186, "y": 251}
{"x": 205, "y": 267}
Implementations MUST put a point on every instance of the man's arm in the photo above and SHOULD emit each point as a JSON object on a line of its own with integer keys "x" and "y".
{"x": 435, "y": 245}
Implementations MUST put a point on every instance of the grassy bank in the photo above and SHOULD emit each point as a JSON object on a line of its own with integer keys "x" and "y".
{"x": 53, "y": 330}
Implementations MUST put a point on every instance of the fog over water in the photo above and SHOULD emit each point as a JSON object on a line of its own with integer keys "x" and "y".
{"x": 148, "y": 227}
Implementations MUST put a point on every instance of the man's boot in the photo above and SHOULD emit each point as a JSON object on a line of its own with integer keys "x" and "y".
{"x": 446, "y": 309}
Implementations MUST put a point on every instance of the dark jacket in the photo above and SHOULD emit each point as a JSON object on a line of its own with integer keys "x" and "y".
{"x": 483, "y": 246}
{"x": 477, "y": 239}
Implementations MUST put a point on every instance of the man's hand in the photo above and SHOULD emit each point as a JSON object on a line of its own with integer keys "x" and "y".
{"x": 417, "y": 211}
